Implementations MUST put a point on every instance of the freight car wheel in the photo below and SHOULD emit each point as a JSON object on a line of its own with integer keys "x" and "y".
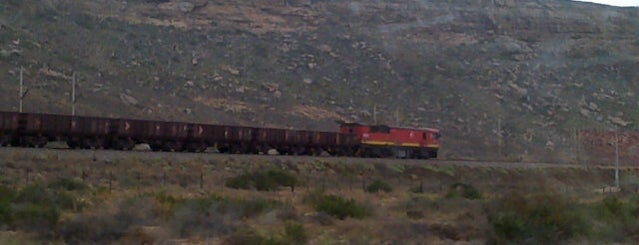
{"x": 124, "y": 144}
{"x": 222, "y": 149}
{"x": 72, "y": 144}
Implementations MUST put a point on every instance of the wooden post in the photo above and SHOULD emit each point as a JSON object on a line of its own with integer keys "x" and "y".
{"x": 110, "y": 181}
{"x": 201, "y": 180}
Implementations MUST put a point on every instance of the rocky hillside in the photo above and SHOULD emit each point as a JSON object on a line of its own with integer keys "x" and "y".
{"x": 507, "y": 79}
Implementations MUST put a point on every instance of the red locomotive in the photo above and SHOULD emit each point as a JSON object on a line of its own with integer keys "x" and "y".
{"x": 36, "y": 129}
{"x": 385, "y": 141}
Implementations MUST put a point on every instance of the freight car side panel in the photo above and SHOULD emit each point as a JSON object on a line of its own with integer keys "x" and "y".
{"x": 199, "y": 131}
{"x": 55, "y": 125}
{"x": 95, "y": 126}
{"x": 175, "y": 131}
{"x": 8, "y": 121}
{"x": 31, "y": 123}
{"x": 242, "y": 134}
{"x": 325, "y": 139}
{"x": 271, "y": 136}
{"x": 134, "y": 129}
{"x": 300, "y": 137}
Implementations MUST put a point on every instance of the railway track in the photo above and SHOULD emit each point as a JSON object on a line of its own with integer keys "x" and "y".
{"x": 100, "y": 156}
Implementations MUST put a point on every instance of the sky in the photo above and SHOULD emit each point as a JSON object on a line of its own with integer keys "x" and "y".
{"x": 620, "y": 3}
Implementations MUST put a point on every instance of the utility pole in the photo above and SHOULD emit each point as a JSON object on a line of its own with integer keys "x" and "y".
{"x": 616, "y": 158}
{"x": 374, "y": 114}
{"x": 73, "y": 96}
{"x": 397, "y": 116}
{"x": 21, "y": 82}
{"x": 499, "y": 139}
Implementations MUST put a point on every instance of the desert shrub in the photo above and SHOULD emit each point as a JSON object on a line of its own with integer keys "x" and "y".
{"x": 35, "y": 217}
{"x": 68, "y": 184}
{"x": 253, "y": 207}
{"x": 262, "y": 181}
{"x": 377, "y": 186}
{"x": 103, "y": 227}
{"x": 337, "y": 206}
{"x": 463, "y": 190}
{"x": 287, "y": 213}
{"x": 39, "y": 194}
{"x": 192, "y": 219}
{"x": 620, "y": 219}
{"x": 110, "y": 225}
{"x": 541, "y": 218}
{"x": 6, "y": 196}
{"x": 248, "y": 236}
{"x": 34, "y": 208}
{"x": 210, "y": 215}
{"x": 416, "y": 189}
{"x": 138, "y": 210}
{"x": 293, "y": 234}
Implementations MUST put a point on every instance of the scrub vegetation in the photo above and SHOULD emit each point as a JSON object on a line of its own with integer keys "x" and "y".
{"x": 249, "y": 200}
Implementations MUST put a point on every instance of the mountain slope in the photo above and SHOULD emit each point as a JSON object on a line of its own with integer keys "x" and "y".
{"x": 533, "y": 72}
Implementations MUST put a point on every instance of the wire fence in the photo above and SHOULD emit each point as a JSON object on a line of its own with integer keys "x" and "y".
{"x": 215, "y": 181}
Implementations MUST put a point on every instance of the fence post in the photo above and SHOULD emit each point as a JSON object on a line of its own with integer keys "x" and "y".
{"x": 164, "y": 179}
{"x": 138, "y": 180}
{"x": 223, "y": 182}
{"x": 27, "y": 177}
{"x": 110, "y": 181}
{"x": 201, "y": 180}
{"x": 323, "y": 183}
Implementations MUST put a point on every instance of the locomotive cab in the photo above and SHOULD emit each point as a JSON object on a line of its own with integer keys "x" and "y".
{"x": 386, "y": 141}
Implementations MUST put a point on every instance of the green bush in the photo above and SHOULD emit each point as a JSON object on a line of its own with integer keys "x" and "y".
{"x": 7, "y": 195}
{"x": 377, "y": 186}
{"x": 294, "y": 233}
{"x": 36, "y": 217}
{"x": 37, "y": 207}
{"x": 262, "y": 181}
{"x": 621, "y": 219}
{"x": 463, "y": 190}
{"x": 338, "y": 206}
{"x": 538, "y": 219}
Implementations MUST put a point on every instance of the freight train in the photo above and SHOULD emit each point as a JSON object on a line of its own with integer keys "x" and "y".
{"x": 83, "y": 132}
